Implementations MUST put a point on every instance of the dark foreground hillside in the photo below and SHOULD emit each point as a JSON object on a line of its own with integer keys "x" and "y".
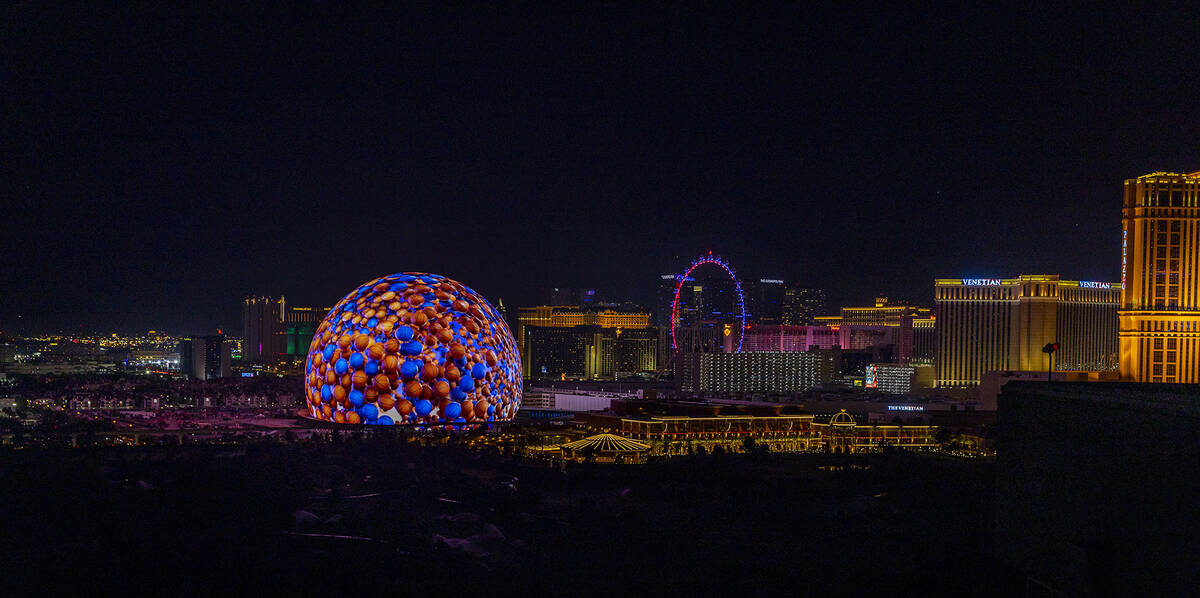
{"x": 383, "y": 515}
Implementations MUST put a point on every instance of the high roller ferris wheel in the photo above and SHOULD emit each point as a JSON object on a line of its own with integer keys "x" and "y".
{"x": 739, "y": 309}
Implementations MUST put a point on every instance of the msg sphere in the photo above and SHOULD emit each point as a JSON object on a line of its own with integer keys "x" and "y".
{"x": 413, "y": 348}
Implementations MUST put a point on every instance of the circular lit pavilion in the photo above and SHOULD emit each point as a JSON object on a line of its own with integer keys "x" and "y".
{"x": 606, "y": 448}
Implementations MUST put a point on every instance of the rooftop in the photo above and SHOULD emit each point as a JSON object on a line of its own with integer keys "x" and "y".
{"x": 1180, "y": 399}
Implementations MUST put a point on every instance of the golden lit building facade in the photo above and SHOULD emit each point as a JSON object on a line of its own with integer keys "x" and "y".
{"x": 883, "y": 313}
{"x": 567, "y": 341}
{"x": 569, "y": 316}
{"x": 990, "y": 324}
{"x": 680, "y": 435}
{"x": 1160, "y": 265}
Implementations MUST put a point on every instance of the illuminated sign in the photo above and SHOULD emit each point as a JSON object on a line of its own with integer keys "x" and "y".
{"x": 980, "y": 282}
{"x": 1095, "y": 285}
{"x": 871, "y": 373}
{"x": 905, "y": 408}
{"x": 1124, "y": 239}
{"x": 770, "y": 281}
{"x": 667, "y": 276}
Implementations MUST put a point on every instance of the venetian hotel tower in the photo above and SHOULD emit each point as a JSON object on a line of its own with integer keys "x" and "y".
{"x": 1160, "y": 265}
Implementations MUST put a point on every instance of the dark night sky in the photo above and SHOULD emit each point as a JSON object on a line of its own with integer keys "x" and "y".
{"x": 158, "y": 168}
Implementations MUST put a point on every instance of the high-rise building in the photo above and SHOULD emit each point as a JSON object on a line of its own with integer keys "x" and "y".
{"x": 261, "y": 318}
{"x": 205, "y": 357}
{"x": 275, "y": 331}
{"x": 8, "y": 351}
{"x": 588, "y": 352}
{"x": 589, "y": 343}
{"x": 765, "y": 298}
{"x": 988, "y": 324}
{"x": 893, "y": 378}
{"x": 754, "y": 371}
{"x": 299, "y": 326}
{"x": 924, "y": 339}
{"x": 801, "y": 305}
{"x": 571, "y": 296}
{"x": 664, "y": 296}
{"x": 706, "y": 297}
{"x": 1160, "y": 266}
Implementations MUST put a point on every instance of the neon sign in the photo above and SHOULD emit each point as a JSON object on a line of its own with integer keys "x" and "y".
{"x": 905, "y": 408}
{"x": 770, "y": 281}
{"x": 1095, "y": 285}
{"x": 980, "y": 282}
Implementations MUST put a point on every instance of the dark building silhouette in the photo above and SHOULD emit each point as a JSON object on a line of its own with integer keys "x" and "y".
{"x": 571, "y": 296}
{"x": 1096, "y": 486}
{"x": 261, "y": 319}
{"x": 801, "y": 305}
{"x": 275, "y": 331}
{"x": 765, "y": 299}
{"x": 205, "y": 357}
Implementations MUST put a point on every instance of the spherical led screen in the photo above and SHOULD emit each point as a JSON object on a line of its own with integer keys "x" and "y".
{"x": 413, "y": 348}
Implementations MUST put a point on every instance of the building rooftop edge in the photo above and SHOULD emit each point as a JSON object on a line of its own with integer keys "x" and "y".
{"x": 1165, "y": 174}
{"x": 1026, "y": 278}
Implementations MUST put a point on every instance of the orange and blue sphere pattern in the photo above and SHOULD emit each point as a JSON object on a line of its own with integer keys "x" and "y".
{"x": 413, "y": 348}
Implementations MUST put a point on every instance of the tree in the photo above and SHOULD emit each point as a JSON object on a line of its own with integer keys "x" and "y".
{"x": 942, "y": 437}
{"x": 749, "y": 446}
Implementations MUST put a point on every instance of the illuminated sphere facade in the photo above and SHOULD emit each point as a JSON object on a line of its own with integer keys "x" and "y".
{"x": 413, "y": 348}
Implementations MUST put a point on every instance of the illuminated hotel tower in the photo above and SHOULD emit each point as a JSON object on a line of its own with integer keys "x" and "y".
{"x": 1160, "y": 262}
{"x": 993, "y": 324}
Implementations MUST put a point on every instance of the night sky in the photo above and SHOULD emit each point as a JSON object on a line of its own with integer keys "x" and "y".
{"x": 158, "y": 168}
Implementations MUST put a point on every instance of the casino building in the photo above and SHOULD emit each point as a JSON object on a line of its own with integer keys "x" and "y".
{"x": 561, "y": 341}
{"x": 987, "y": 324}
{"x": 909, "y": 328}
{"x": 679, "y": 428}
{"x": 1160, "y": 266}
{"x": 275, "y": 331}
{"x": 753, "y": 371}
